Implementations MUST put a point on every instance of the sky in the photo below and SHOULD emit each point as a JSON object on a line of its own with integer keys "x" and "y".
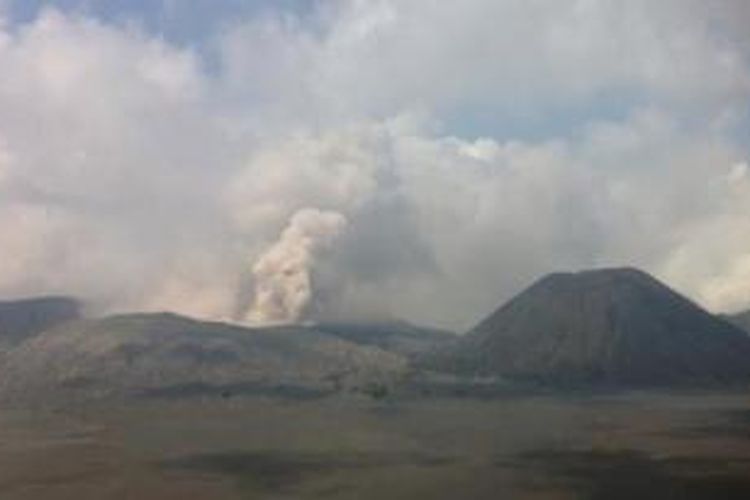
{"x": 270, "y": 161}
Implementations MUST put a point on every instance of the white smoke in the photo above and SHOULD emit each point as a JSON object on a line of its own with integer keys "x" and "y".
{"x": 283, "y": 274}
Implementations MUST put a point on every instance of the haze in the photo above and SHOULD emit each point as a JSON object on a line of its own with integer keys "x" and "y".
{"x": 162, "y": 155}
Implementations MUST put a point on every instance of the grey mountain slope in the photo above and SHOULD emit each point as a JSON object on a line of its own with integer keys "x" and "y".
{"x": 144, "y": 353}
{"x": 740, "y": 320}
{"x": 393, "y": 336}
{"x": 609, "y": 327}
{"x": 21, "y": 319}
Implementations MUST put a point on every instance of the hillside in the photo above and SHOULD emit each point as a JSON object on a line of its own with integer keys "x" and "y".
{"x": 740, "y": 320}
{"x": 395, "y": 336}
{"x": 165, "y": 354}
{"x": 22, "y": 319}
{"x": 616, "y": 327}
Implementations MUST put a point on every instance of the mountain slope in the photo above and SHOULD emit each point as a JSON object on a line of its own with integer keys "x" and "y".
{"x": 395, "y": 336}
{"x": 22, "y": 319}
{"x": 609, "y": 327}
{"x": 740, "y": 320}
{"x": 163, "y": 353}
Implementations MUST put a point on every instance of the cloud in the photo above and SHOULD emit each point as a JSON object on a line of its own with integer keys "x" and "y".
{"x": 517, "y": 59}
{"x": 132, "y": 175}
{"x": 110, "y": 160}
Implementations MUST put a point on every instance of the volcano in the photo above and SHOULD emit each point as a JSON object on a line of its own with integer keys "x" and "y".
{"x": 612, "y": 327}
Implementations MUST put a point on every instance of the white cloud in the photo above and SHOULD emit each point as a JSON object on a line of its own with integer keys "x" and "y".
{"x": 516, "y": 58}
{"x": 111, "y": 166}
{"x": 131, "y": 175}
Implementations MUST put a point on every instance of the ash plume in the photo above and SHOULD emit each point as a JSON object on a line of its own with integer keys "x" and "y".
{"x": 283, "y": 274}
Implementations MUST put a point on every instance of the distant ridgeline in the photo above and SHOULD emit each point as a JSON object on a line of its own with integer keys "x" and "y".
{"x": 166, "y": 355}
{"x": 22, "y": 319}
{"x": 603, "y": 328}
{"x": 609, "y": 327}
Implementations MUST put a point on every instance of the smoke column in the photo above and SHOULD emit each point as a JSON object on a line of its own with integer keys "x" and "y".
{"x": 282, "y": 276}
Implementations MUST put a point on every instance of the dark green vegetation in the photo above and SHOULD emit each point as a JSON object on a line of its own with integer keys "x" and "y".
{"x": 610, "y": 328}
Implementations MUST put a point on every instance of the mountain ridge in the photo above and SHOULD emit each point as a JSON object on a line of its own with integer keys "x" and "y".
{"x": 612, "y": 326}
{"x": 23, "y": 318}
{"x": 164, "y": 353}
